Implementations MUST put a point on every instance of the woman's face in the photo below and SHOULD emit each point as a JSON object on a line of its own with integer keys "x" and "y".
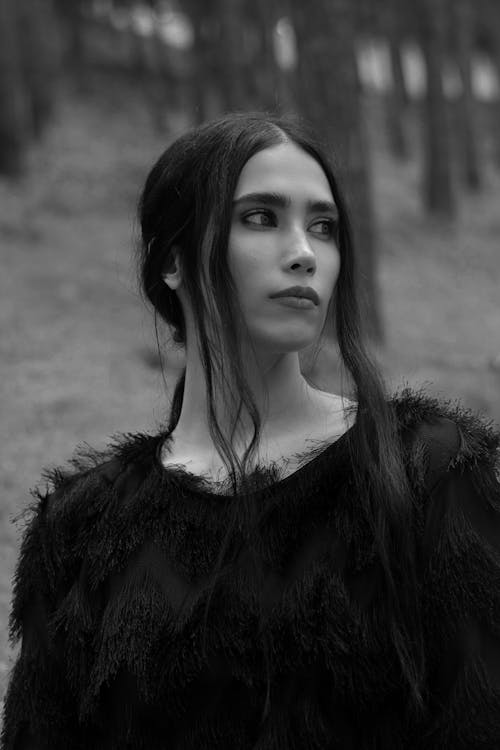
{"x": 283, "y": 235}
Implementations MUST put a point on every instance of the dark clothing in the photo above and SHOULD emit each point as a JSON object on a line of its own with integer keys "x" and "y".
{"x": 113, "y": 577}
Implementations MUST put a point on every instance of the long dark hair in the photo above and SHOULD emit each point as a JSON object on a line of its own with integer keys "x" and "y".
{"x": 187, "y": 202}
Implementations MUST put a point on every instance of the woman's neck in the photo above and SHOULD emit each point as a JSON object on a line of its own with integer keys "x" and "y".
{"x": 283, "y": 398}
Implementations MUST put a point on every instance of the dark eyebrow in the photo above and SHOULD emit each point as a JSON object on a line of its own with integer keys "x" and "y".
{"x": 283, "y": 201}
{"x": 267, "y": 199}
{"x": 322, "y": 207}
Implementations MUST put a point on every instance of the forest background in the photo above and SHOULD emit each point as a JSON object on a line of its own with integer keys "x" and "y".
{"x": 405, "y": 93}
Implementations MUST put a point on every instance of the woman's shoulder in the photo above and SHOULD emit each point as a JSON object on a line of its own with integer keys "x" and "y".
{"x": 69, "y": 513}
{"x": 90, "y": 477}
{"x": 440, "y": 435}
{"x": 452, "y": 458}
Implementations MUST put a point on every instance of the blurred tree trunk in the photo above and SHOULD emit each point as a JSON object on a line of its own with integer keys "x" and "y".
{"x": 267, "y": 78}
{"x": 203, "y": 80}
{"x": 232, "y": 56}
{"x": 73, "y": 21}
{"x": 284, "y": 45}
{"x": 463, "y": 24}
{"x": 439, "y": 195}
{"x": 329, "y": 94}
{"x": 40, "y": 53}
{"x": 159, "y": 84}
{"x": 14, "y": 119}
{"x": 398, "y": 97}
{"x": 496, "y": 114}
{"x": 491, "y": 24}
{"x": 234, "y": 65}
{"x": 144, "y": 66}
{"x": 266, "y": 87}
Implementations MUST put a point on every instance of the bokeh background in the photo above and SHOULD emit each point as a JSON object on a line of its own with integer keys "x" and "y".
{"x": 404, "y": 93}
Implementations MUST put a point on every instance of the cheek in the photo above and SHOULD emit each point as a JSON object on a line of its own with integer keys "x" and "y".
{"x": 330, "y": 268}
{"x": 248, "y": 271}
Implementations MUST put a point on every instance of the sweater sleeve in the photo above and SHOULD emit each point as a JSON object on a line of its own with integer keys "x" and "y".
{"x": 38, "y": 707}
{"x": 41, "y": 706}
{"x": 461, "y": 587}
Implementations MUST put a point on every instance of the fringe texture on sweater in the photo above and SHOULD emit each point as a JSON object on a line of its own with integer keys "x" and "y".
{"x": 113, "y": 576}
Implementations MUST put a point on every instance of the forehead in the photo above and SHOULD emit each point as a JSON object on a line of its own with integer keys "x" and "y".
{"x": 284, "y": 168}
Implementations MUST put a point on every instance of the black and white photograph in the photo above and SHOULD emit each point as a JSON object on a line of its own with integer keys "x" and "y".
{"x": 250, "y": 375}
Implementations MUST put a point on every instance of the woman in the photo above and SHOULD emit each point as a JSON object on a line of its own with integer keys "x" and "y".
{"x": 278, "y": 568}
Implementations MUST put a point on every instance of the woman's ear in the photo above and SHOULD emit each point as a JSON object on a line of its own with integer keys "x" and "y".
{"x": 172, "y": 272}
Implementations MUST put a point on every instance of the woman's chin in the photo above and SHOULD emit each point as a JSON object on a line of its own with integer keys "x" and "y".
{"x": 285, "y": 344}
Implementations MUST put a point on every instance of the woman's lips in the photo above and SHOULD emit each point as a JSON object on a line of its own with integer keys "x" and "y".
{"x": 302, "y": 292}
{"x": 299, "y": 303}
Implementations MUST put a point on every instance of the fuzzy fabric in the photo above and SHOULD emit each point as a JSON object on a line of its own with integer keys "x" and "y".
{"x": 294, "y": 652}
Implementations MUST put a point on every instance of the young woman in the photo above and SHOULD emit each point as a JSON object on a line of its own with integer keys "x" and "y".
{"x": 279, "y": 567}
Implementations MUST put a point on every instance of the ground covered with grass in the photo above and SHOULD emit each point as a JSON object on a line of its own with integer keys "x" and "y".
{"x": 77, "y": 350}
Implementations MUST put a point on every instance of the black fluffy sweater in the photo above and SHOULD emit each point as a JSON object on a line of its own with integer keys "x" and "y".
{"x": 113, "y": 577}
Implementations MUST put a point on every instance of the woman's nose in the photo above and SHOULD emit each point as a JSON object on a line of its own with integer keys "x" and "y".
{"x": 301, "y": 253}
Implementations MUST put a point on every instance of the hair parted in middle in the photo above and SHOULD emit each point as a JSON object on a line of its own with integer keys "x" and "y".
{"x": 187, "y": 204}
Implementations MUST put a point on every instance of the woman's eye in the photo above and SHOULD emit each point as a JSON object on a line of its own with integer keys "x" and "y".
{"x": 261, "y": 218}
{"x": 324, "y": 227}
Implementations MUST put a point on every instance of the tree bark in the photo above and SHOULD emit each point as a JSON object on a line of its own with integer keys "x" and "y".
{"x": 40, "y": 55}
{"x": 265, "y": 77}
{"x": 72, "y": 18}
{"x": 329, "y": 95}
{"x": 491, "y": 26}
{"x": 231, "y": 56}
{"x": 205, "y": 97}
{"x": 438, "y": 188}
{"x": 398, "y": 96}
{"x": 14, "y": 121}
{"x": 463, "y": 28}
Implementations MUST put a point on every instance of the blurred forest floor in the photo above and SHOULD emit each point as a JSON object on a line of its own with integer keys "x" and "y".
{"x": 77, "y": 345}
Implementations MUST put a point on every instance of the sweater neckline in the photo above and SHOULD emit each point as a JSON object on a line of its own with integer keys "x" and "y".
{"x": 199, "y": 485}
